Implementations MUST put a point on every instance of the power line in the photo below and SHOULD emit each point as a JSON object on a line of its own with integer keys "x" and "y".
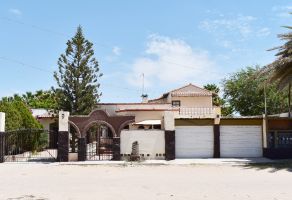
{"x": 44, "y": 70}
{"x": 24, "y": 64}
{"x": 46, "y": 30}
{"x": 94, "y": 42}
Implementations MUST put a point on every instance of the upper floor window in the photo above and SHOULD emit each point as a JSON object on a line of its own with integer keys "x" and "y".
{"x": 175, "y": 103}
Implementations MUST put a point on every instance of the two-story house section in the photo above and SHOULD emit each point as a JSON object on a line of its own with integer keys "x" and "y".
{"x": 191, "y": 101}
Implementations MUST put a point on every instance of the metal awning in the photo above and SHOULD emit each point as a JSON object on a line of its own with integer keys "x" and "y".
{"x": 149, "y": 122}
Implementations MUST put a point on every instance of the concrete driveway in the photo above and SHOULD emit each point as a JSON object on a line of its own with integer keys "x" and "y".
{"x": 139, "y": 182}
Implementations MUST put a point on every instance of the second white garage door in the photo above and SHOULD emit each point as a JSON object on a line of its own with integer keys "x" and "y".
{"x": 241, "y": 141}
{"x": 194, "y": 141}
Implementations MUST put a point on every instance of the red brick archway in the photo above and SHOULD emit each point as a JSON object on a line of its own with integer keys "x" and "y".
{"x": 82, "y": 123}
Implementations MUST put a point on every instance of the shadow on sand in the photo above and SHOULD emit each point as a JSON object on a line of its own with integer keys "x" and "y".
{"x": 273, "y": 166}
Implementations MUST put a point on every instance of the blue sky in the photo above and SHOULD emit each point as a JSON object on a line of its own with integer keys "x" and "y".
{"x": 172, "y": 42}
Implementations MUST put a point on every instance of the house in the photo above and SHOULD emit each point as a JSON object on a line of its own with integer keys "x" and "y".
{"x": 182, "y": 123}
{"x": 189, "y": 101}
{"x": 152, "y": 116}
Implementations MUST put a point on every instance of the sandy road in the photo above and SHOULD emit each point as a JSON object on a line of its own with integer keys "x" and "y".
{"x": 52, "y": 181}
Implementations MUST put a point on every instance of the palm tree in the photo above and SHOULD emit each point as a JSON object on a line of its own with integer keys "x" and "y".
{"x": 281, "y": 69}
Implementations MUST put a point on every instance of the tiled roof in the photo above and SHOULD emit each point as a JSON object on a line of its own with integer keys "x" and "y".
{"x": 190, "y": 90}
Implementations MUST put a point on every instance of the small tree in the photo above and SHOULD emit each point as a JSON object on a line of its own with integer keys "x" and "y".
{"x": 244, "y": 93}
{"x": 27, "y": 120}
{"x": 13, "y": 118}
{"x": 78, "y": 76}
{"x": 215, "y": 96}
{"x": 218, "y": 101}
{"x": 40, "y": 99}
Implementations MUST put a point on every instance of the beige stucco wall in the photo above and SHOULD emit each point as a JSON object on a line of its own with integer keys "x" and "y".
{"x": 194, "y": 101}
{"x": 112, "y": 108}
{"x": 150, "y": 142}
{"x": 168, "y": 121}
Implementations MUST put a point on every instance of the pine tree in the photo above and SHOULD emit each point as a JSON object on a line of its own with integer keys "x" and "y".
{"x": 78, "y": 76}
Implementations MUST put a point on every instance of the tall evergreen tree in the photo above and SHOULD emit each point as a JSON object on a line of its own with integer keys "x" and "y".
{"x": 78, "y": 76}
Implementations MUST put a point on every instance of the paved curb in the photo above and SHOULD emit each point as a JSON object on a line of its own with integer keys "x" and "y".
{"x": 175, "y": 162}
{"x": 185, "y": 162}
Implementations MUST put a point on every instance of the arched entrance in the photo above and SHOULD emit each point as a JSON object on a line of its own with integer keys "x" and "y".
{"x": 99, "y": 135}
{"x": 99, "y": 141}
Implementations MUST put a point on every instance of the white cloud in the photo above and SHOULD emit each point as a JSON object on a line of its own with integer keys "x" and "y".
{"x": 115, "y": 53}
{"x": 15, "y": 11}
{"x": 171, "y": 61}
{"x": 282, "y": 11}
{"x": 116, "y": 50}
{"x": 239, "y": 24}
{"x": 232, "y": 31}
{"x": 263, "y": 32}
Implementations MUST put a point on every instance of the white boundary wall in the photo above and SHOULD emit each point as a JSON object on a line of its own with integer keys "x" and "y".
{"x": 2, "y": 122}
{"x": 150, "y": 142}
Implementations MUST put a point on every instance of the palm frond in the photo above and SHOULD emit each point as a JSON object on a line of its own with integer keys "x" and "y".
{"x": 284, "y": 82}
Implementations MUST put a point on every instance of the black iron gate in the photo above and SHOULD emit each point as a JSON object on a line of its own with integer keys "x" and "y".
{"x": 30, "y": 145}
{"x": 99, "y": 144}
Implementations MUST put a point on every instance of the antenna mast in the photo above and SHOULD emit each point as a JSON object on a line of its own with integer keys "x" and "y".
{"x": 142, "y": 83}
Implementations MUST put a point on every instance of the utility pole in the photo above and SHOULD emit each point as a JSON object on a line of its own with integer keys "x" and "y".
{"x": 265, "y": 94}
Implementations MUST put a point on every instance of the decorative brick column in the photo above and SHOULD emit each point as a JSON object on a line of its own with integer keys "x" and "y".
{"x": 82, "y": 149}
{"x": 216, "y": 141}
{"x": 63, "y": 137}
{"x": 2, "y": 138}
{"x": 116, "y": 148}
{"x": 169, "y": 145}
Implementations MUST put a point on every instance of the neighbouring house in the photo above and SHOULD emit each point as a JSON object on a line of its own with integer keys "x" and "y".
{"x": 45, "y": 117}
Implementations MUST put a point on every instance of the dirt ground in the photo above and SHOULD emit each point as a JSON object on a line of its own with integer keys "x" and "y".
{"x": 195, "y": 182}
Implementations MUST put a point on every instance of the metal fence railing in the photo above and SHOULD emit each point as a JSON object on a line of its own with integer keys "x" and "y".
{"x": 30, "y": 145}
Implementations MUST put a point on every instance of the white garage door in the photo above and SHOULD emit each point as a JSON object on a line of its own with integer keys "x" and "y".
{"x": 241, "y": 141}
{"x": 194, "y": 141}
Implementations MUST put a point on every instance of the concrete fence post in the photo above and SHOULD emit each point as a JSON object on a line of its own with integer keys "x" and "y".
{"x": 63, "y": 137}
{"x": 2, "y": 138}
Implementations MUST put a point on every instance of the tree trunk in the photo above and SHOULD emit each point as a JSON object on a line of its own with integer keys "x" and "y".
{"x": 289, "y": 100}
